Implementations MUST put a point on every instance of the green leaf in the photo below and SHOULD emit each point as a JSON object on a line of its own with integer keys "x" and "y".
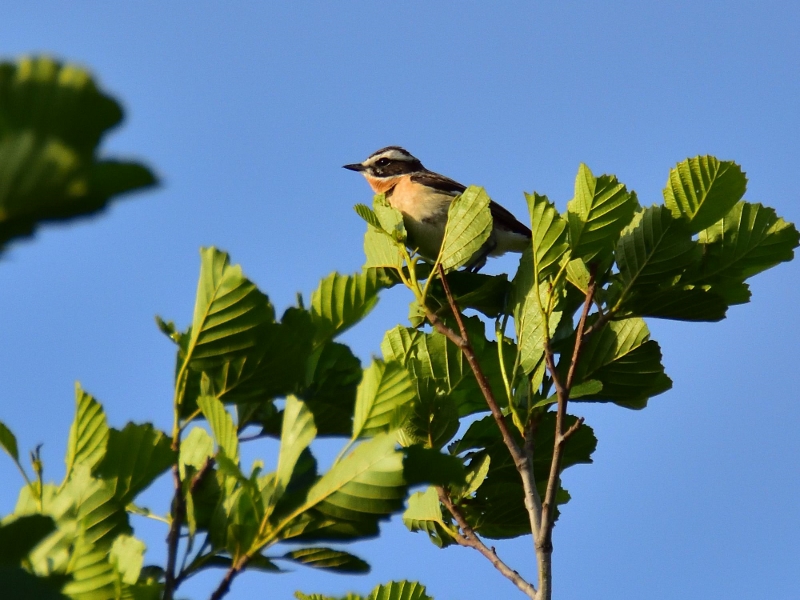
{"x": 94, "y": 577}
{"x": 231, "y": 316}
{"x": 382, "y": 241}
{"x": 390, "y": 219}
{"x": 134, "y": 458}
{"x": 384, "y": 388}
{"x": 485, "y": 293}
{"x": 498, "y": 509}
{"x": 653, "y": 249}
{"x": 9, "y": 442}
{"x": 684, "y": 303}
{"x": 532, "y": 321}
{"x": 400, "y": 590}
{"x": 196, "y": 449}
{"x": 331, "y": 392}
{"x": 394, "y": 590}
{"x": 427, "y": 465}
{"x": 88, "y": 434}
{"x": 349, "y": 596}
{"x": 21, "y": 535}
{"x": 127, "y": 558}
{"x": 600, "y": 209}
{"x": 424, "y": 513}
{"x": 747, "y": 240}
{"x": 365, "y": 486}
{"x": 440, "y": 367}
{"x": 26, "y": 585}
{"x": 380, "y": 250}
{"x": 476, "y": 474}
{"x": 703, "y": 189}
{"x": 341, "y": 301}
{"x": 469, "y": 225}
{"x": 627, "y": 363}
{"x": 297, "y": 433}
{"x": 222, "y": 426}
{"x": 366, "y": 213}
{"x": 328, "y": 559}
{"x": 578, "y": 275}
{"x": 52, "y": 118}
{"x": 432, "y": 419}
{"x": 549, "y": 241}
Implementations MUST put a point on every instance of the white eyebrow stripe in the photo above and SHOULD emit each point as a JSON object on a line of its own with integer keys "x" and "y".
{"x": 391, "y": 154}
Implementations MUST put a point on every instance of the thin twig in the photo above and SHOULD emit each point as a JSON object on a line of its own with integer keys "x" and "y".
{"x": 468, "y": 538}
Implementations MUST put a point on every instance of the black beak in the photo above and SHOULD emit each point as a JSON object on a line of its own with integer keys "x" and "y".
{"x": 355, "y": 167}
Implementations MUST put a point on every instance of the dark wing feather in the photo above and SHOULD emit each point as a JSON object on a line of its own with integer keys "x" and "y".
{"x": 505, "y": 220}
{"x": 438, "y": 182}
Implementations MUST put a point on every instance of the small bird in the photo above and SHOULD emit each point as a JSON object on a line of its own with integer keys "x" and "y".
{"x": 424, "y": 197}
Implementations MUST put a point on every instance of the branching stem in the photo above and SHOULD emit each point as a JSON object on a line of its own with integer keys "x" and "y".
{"x": 520, "y": 460}
{"x": 469, "y": 539}
{"x": 544, "y": 542}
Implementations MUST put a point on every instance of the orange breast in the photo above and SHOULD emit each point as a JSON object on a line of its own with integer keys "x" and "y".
{"x": 382, "y": 185}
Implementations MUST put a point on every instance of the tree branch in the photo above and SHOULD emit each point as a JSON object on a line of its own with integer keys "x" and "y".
{"x": 470, "y": 539}
{"x": 524, "y": 469}
{"x": 173, "y": 536}
{"x": 225, "y": 585}
{"x": 544, "y": 544}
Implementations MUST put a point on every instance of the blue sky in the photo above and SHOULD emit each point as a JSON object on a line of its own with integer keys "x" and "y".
{"x": 248, "y": 111}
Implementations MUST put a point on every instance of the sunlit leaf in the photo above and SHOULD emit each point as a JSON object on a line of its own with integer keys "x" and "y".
{"x": 366, "y": 486}
{"x": 600, "y": 209}
{"x": 548, "y": 244}
{"x": 88, "y": 434}
{"x": 221, "y": 423}
{"x": 702, "y": 190}
{"x": 340, "y": 301}
{"x": 469, "y": 225}
{"x": 424, "y": 513}
{"x": 297, "y": 433}
{"x": 654, "y": 248}
{"x": 532, "y": 321}
{"x": 400, "y": 590}
{"x": 231, "y": 316}
{"x": 127, "y": 558}
{"x": 384, "y": 388}
{"x": 134, "y": 457}
{"x": 747, "y": 240}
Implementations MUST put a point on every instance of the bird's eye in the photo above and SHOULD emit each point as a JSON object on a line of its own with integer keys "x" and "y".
{"x": 382, "y": 162}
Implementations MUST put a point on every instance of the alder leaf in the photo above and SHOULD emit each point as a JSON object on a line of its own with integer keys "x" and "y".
{"x": 702, "y": 190}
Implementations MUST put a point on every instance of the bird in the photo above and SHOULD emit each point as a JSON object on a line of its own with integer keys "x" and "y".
{"x": 423, "y": 197}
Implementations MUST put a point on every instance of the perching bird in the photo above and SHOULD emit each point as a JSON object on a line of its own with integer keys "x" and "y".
{"x": 423, "y": 197}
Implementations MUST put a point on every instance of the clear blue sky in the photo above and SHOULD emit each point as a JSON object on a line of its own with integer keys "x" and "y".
{"x": 248, "y": 111}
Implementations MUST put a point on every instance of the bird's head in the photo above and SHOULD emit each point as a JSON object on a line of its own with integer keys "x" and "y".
{"x": 384, "y": 166}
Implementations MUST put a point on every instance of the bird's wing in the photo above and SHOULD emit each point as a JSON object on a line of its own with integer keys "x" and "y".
{"x": 438, "y": 182}
{"x": 505, "y": 220}
{"x": 502, "y": 218}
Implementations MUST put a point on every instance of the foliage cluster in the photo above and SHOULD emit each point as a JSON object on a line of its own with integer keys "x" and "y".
{"x": 480, "y": 420}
